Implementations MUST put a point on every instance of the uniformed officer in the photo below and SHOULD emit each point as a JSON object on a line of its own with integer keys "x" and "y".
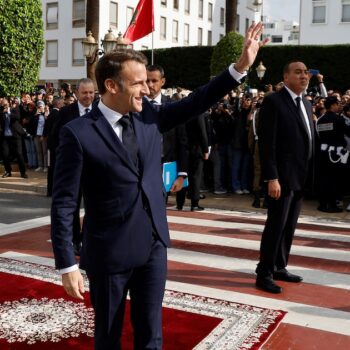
{"x": 331, "y": 129}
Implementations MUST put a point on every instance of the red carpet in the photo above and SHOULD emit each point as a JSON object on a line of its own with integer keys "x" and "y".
{"x": 36, "y": 314}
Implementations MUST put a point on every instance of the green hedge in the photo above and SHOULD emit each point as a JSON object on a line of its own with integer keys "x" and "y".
{"x": 21, "y": 45}
{"x": 189, "y": 67}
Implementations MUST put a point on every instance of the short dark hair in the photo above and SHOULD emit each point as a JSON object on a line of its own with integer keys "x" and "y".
{"x": 111, "y": 64}
{"x": 83, "y": 81}
{"x": 287, "y": 65}
{"x": 156, "y": 67}
{"x": 330, "y": 101}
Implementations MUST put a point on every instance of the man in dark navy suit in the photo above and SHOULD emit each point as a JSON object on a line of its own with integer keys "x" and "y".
{"x": 85, "y": 92}
{"x": 286, "y": 137}
{"x": 174, "y": 141}
{"x": 114, "y": 153}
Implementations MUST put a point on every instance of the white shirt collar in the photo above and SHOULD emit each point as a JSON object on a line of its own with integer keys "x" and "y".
{"x": 82, "y": 108}
{"x": 293, "y": 94}
{"x": 111, "y": 115}
{"x": 157, "y": 99}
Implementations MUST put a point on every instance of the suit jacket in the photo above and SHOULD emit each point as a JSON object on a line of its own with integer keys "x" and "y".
{"x": 15, "y": 125}
{"x": 175, "y": 145}
{"x": 65, "y": 115}
{"x": 124, "y": 205}
{"x": 284, "y": 141}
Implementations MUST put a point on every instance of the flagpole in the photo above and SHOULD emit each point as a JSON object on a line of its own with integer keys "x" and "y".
{"x": 152, "y": 57}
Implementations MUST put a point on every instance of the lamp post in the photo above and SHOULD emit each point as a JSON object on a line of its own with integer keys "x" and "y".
{"x": 92, "y": 51}
{"x": 260, "y": 70}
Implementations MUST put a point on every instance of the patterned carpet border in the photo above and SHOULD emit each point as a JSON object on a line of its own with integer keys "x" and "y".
{"x": 242, "y": 327}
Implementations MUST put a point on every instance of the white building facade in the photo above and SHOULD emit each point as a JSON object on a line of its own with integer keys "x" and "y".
{"x": 176, "y": 23}
{"x": 324, "y": 22}
{"x": 281, "y": 32}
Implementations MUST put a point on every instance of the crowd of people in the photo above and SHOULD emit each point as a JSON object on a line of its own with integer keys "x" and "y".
{"x": 225, "y": 157}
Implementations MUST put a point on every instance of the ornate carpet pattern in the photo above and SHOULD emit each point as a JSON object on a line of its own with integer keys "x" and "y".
{"x": 34, "y": 320}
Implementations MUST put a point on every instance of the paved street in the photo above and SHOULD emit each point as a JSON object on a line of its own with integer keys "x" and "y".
{"x": 214, "y": 254}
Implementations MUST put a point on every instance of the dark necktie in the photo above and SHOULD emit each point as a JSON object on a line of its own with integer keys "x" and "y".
{"x": 301, "y": 114}
{"x": 129, "y": 138}
{"x": 87, "y": 110}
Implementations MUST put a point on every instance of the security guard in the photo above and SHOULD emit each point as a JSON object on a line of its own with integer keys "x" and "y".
{"x": 331, "y": 129}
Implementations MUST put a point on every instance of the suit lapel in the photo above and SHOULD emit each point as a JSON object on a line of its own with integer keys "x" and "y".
{"x": 107, "y": 133}
{"x": 291, "y": 105}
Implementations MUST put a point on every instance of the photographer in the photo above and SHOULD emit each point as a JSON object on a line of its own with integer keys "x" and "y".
{"x": 331, "y": 129}
{"x": 11, "y": 138}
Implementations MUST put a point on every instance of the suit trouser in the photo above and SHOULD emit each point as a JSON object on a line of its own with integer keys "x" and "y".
{"x": 146, "y": 285}
{"x": 12, "y": 143}
{"x": 277, "y": 237}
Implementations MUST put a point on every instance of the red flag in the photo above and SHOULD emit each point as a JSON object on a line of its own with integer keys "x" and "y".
{"x": 142, "y": 22}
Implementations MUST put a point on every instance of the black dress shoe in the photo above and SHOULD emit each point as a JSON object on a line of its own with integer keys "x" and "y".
{"x": 268, "y": 285}
{"x": 197, "y": 208}
{"x": 25, "y": 176}
{"x": 179, "y": 207}
{"x": 202, "y": 196}
{"x": 286, "y": 276}
{"x": 6, "y": 174}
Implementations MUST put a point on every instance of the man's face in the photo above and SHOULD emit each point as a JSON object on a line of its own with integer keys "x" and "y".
{"x": 297, "y": 77}
{"x": 49, "y": 99}
{"x": 128, "y": 98}
{"x": 155, "y": 83}
{"x": 86, "y": 94}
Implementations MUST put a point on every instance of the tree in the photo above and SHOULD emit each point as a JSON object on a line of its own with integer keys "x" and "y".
{"x": 231, "y": 15}
{"x": 226, "y": 51}
{"x": 21, "y": 45}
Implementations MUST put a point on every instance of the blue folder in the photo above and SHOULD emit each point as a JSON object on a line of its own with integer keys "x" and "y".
{"x": 170, "y": 175}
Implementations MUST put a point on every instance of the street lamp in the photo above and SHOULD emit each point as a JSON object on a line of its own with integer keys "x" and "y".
{"x": 260, "y": 70}
{"x": 90, "y": 46}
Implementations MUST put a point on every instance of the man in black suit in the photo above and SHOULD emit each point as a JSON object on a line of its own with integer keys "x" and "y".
{"x": 11, "y": 133}
{"x": 57, "y": 104}
{"x": 286, "y": 136}
{"x": 114, "y": 155}
{"x": 174, "y": 141}
{"x": 85, "y": 93}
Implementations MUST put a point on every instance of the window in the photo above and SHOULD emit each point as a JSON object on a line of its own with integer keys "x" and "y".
{"x": 163, "y": 2}
{"x": 186, "y": 34}
{"x": 78, "y": 13}
{"x": 52, "y": 15}
{"x": 221, "y": 36}
{"x": 269, "y": 25}
{"x": 52, "y": 53}
{"x": 129, "y": 14}
{"x": 345, "y": 10}
{"x": 210, "y": 12}
{"x": 210, "y": 38}
{"x": 200, "y": 8}
{"x": 222, "y": 16}
{"x": 175, "y": 31}
{"x": 246, "y": 24}
{"x": 143, "y": 47}
{"x": 113, "y": 14}
{"x": 200, "y": 36}
{"x": 77, "y": 53}
{"x": 163, "y": 28}
{"x": 237, "y": 23}
{"x": 187, "y": 7}
{"x": 318, "y": 11}
{"x": 276, "y": 38}
{"x": 176, "y": 4}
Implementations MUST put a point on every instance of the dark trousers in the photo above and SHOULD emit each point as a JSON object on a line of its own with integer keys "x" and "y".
{"x": 277, "y": 237}
{"x": 12, "y": 144}
{"x": 146, "y": 285}
{"x": 195, "y": 173}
